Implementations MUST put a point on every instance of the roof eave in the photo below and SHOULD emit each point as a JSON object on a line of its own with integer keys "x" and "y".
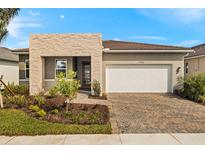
{"x": 148, "y": 51}
{"x": 196, "y": 56}
{"x": 10, "y": 60}
{"x": 19, "y": 53}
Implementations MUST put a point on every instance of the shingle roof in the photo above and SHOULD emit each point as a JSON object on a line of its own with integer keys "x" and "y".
{"x": 199, "y": 50}
{"x": 122, "y": 45}
{"x": 6, "y": 54}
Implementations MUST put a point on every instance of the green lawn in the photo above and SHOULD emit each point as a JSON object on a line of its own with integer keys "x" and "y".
{"x": 16, "y": 122}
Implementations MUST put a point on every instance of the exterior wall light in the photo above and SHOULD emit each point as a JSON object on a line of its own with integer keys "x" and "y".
{"x": 178, "y": 70}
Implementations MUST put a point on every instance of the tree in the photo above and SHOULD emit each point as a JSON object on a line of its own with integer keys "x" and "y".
{"x": 68, "y": 86}
{"x": 6, "y": 14}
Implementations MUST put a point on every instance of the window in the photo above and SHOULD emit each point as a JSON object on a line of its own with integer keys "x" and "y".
{"x": 26, "y": 68}
{"x": 186, "y": 67}
{"x": 61, "y": 66}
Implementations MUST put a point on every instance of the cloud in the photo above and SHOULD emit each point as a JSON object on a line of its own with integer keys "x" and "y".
{"x": 188, "y": 43}
{"x": 116, "y": 39}
{"x": 175, "y": 16}
{"x": 62, "y": 16}
{"x": 149, "y": 37}
{"x": 30, "y": 12}
{"x": 19, "y": 23}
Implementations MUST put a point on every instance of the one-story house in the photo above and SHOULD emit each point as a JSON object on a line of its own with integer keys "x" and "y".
{"x": 9, "y": 66}
{"x": 120, "y": 67}
{"x": 195, "y": 61}
{"x": 23, "y": 54}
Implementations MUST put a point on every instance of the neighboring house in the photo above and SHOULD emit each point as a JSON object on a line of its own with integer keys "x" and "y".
{"x": 9, "y": 66}
{"x": 195, "y": 61}
{"x": 23, "y": 64}
{"x": 119, "y": 66}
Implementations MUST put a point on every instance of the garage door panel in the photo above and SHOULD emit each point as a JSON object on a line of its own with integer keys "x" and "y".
{"x": 137, "y": 78}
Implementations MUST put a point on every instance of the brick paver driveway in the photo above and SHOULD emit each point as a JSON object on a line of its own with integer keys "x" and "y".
{"x": 157, "y": 113}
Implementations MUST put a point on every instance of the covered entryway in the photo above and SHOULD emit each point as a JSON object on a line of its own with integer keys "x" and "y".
{"x": 55, "y": 65}
{"x": 138, "y": 78}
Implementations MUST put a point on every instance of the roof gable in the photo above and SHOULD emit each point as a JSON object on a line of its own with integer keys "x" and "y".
{"x": 6, "y": 54}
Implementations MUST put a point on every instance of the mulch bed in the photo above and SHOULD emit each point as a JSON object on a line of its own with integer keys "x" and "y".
{"x": 81, "y": 114}
{"x": 77, "y": 114}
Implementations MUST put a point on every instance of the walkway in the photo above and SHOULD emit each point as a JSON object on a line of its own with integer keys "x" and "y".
{"x": 114, "y": 139}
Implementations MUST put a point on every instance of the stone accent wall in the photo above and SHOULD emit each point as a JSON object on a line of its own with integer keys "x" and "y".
{"x": 55, "y": 45}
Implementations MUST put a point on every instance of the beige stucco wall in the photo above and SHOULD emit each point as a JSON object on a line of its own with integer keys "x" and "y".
{"x": 10, "y": 71}
{"x": 195, "y": 65}
{"x": 50, "y": 66}
{"x": 202, "y": 64}
{"x": 53, "y": 45}
{"x": 175, "y": 60}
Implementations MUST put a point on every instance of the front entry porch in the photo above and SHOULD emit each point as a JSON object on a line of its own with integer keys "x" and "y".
{"x": 55, "y": 65}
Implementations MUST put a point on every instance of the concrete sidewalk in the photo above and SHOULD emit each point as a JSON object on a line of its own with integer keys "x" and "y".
{"x": 114, "y": 139}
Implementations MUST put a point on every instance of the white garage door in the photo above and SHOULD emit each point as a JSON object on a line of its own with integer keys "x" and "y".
{"x": 138, "y": 78}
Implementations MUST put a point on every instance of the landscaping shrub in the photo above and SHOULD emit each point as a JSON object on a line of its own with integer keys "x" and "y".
{"x": 39, "y": 100}
{"x": 76, "y": 118}
{"x": 53, "y": 92}
{"x": 84, "y": 117}
{"x": 21, "y": 89}
{"x": 34, "y": 108}
{"x": 8, "y": 99}
{"x": 55, "y": 111}
{"x": 192, "y": 87}
{"x": 96, "y": 87}
{"x": 18, "y": 100}
{"x": 41, "y": 113}
{"x": 202, "y": 98}
{"x": 95, "y": 117}
{"x": 41, "y": 92}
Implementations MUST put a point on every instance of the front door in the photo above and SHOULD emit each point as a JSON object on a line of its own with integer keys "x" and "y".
{"x": 86, "y": 75}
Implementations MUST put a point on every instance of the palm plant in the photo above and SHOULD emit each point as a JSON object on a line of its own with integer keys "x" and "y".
{"x": 6, "y": 14}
